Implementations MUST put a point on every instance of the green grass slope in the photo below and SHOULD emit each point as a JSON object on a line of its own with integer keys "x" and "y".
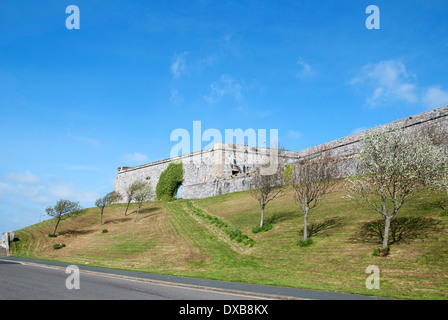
{"x": 193, "y": 238}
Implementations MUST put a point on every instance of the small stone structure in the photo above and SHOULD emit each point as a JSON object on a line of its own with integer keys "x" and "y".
{"x": 227, "y": 168}
{"x": 4, "y": 243}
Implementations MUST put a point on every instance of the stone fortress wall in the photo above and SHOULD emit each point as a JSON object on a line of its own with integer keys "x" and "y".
{"x": 224, "y": 168}
{"x": 227, "y": 168}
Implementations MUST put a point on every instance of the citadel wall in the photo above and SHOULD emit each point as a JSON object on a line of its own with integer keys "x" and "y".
{"x": 226, "y": 168}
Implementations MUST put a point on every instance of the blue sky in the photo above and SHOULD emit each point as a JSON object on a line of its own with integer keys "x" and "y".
{"x": 77, "y": 104}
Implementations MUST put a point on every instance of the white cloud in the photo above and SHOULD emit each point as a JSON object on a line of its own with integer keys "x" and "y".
{"x": 26, "y": 178}
{"x": 24, "y": 197}
{"x": 24, "y": 185}
{"x": 135, "y": 157}
{"x": 29, "y": 188}
{"x": 264, "y": 113}
{"x": 6, "y": 188}
{"x": 358, "y": 130}
{"x": 83, "y": 139}
{"x": 226, "y": 86}
{"x": 67, "y": 191}
{"x": 305, "y": 69}
{"x": 435, "y": 97}
{"x": 387, "y": 81}
{"x": 293, "y": 134}
{"x": 178, "y": 67}
{"x": 175, "y": 97}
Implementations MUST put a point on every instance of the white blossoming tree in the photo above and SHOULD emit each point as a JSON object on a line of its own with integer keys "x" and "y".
{"x": 394, "y": 165}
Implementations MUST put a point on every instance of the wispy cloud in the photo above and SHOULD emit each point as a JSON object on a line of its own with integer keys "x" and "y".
{"x": 178, "y": 67}
{"x": 293, "y": 134}
{"x": 134, "y": 158}
{"x": 86, "y": 140}
{"x": 387, "y": 81}
{"x": 358, "y": 130}
{"x": 26, "y": 178}
{"x": 435, "y": 97}
{"x": 175, "y": 97}
{"x": 225, "y": 86}
{"x": 25, "y": 185}
{"x": 263, "y": 113}
{"x": 78, "y": 167}
{"x": 305, "y": 69}
{"x": 69, "y": 191}
{"x": 32, "y": 189}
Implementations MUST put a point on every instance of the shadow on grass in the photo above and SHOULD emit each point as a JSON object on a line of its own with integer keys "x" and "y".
{"x": 146, "y": 210}
{"x": 143, "y": 213}
{"x": 118, "y": 220}
{"x": 73, "y": 233}
{"x": 280, "y": 216}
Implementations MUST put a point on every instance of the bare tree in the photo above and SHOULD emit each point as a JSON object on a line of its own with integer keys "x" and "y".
{"x": 108, "y": 199}
{"x": 141, "y": 195}
{"x": 265, "y": 188}
{"x": 62, "y": 210}
{"x": 394, "y": 165}
{"x": 311, "y": 181}
{"x": 130, "y": 191}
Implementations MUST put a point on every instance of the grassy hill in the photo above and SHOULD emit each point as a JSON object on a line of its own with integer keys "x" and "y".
{"x": 192, "y": 238}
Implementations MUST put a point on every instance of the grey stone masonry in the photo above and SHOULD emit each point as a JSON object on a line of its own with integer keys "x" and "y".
{"x": 227, "y": 168}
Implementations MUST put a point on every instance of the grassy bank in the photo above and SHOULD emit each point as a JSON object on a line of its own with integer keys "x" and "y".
{"x": 171, "y": 238}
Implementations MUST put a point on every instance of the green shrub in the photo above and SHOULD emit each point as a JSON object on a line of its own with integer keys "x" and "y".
{"x": 287, "y": 173}
{"x": 58, "y": 246}
{"x": 235, "y": 235}
{"x": 52, "y": 235}
{"x": 105, "y": 231}
{"x": 169, "y": 181}
{"x": 305, "y": 243}
{"x": 264, "y": 228}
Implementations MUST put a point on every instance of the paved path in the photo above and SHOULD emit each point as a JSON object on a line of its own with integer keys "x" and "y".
{"x": 22, "y": 278}
{"x": 20, "y": 281}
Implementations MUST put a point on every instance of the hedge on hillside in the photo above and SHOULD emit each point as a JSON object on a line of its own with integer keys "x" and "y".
{"x": 169, "y": 181}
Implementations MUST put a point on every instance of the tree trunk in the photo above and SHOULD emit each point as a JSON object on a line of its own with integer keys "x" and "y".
{"x": 101, "y": 221}
{"x": 386, "y": 232}
{"x": 56, "y": 226}
{"x": 305, "y": 223}
{"x": 262, "y": 217}
{"x": 127, "y": 208}
{"x": 138, "y": 211}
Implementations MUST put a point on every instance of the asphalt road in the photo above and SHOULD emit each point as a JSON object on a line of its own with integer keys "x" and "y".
{"x": 30, "y": 282}
{"x": 30, "y": 279}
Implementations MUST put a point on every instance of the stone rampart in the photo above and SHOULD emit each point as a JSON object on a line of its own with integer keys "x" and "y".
{"x": 226, "y": 168}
